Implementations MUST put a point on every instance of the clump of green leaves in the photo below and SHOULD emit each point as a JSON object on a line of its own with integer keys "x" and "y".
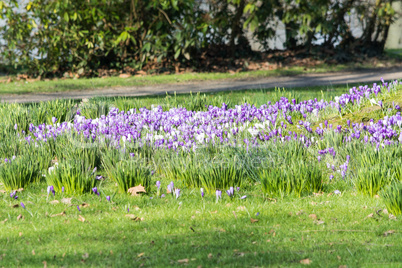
{"x": 127, "y": 173}
{"x": 297, "y": 177}
{"x": 392, "y": 196}
{"x": 19, "y": 172}
{"x": 76, "y": 176}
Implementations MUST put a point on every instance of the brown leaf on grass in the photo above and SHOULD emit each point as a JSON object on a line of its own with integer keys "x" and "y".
{"x": 66, "y": 201}
{"x": 228, "y": 204}
{"x": 135, "y": 190}
{"x": 133, "y": 217}
{"x": 312, "y": 216}
{"x": 19, "y": 190}
{"x": 313, "y": 203}
{"x": 320, "y": 193}
{"x": 85, "y": 256}
{"x": 140, "y": 255}
{"x": 300, "y": 212}
{"x": 222, "y": 230}
{"x": 234, "y": 213}
{"x": 20, "y": 217}
{"x": 2, "y": 191}
{"x": 253, "y": 220}
{"x": 306, "y": 261}
{"x": 54, "y": 202}
{"x": 20, "y": 234}
{"x": 84, "y": 205}
{"x": 124, "y": 75}
{"x": 391, "y": 217}
{"x": 343, "y": 266}
{"x": 385, "y": 211}
{"x": 60, "y": 214}
{"x": 389, "y": 232}
{"x": 44, "y": 264}
{"x": 81, "y": 219}
{"x": 214, "y": 212}
{"x": 241, "y": 208}
{"x": 239, "y": 254}
{"x": 4, "y": 221}
{"x": 370, "y": 215}
{"x": 339, "y": 257}
{"x": 210, "y": 256}
{"x": 183, "y": 261}
{"x": 319, "y": 222}
{"x": 15, "y": 206}
{"x": 33, "y": 252}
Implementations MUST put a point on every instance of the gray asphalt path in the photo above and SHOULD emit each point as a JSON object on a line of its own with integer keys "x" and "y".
{"x": 319, "y": 79}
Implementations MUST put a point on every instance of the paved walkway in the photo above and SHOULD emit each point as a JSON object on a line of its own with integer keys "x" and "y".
{"x": 319, "y": 79}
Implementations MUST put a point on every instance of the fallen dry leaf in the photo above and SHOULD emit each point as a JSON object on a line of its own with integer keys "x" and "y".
{"x": 234, "y": 213}
{"x": 253, "y": 220}
{"x": 19, "y": 190}
{"x": 80, "y": 218}
{"x": 125, "y": 75}
{"x": 2, "y": 191}
{"x": 20, "y": 234}
{"x": 60, "y": 214}
{"x": 20, "y": 217}
{"x": 15, "y": 206}
{"x": 44, "y": 264}
{"x": 214, "y": 212}
{"x": 84, "y": 205}
{"x": 370, "y": 215}
{"x": 33, "y": 252}
{"x": 299, "y": 213}
{"x": 391, "y": 217}
{"x": 141, "y": 254}
{"x": 54, "y": 202}
{"x": 312, "y": 216}
{"x": 4, "y": 221}
{"x": 385, "y": 211}
{"x": 319, "y": 222}
{"x": 313, "y": 203}
{"x": 305, "y": 261}
{"x": 389, "y": 232}
{"x": 339, "y": 257}
{"x": 183, "y": 261}
{"x": 320, "y": 193}
{"x": 135, "y": 190}
{"x": 85, "y": 256}
{"x": 343, "y": 266}
{"x": 66, "y": 201}
{"x": 133, "y": 217}
{"x": 210, "y": 256}
{"x": 228, "y": 204}
{"x": 241, "y": 208}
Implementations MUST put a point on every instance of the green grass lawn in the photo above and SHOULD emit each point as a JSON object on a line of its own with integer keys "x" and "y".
{"x": 23, "y": 87}
{"x": 328, "y": 230}
{"x": 317, "y": 230}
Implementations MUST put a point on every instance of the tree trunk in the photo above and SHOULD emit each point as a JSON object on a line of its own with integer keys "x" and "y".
{"x": 236, "y": 27}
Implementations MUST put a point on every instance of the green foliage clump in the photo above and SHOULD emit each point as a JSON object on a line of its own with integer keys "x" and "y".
{"x": 19, "y": 172}
{"x": 392, "y": 196}
{"x": 76, "y": 176}
{"x": 297, "y": 178}
{"x": 126, "y": 172}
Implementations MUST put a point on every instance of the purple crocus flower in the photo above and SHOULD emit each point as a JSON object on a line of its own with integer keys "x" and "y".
{"x": 54, "y": 120}
{"x": 243, "y": 197}
{"x": 152, "y": 172}
{"x": 170, "y": 187}
{"x": 50, "y": 189}
{"x": 158, "y": 184}
{"x": 95, "y": 190}
{"x": 237, "y": 188}
{"x": 202, "y": 192}
{"x": 62, "y": 189}
{"x": 78, "y": 207}
{"x": 108, "y": 198}
{"x": 99, "y": 177}
{"x": 94, "y": 170}
{"x": 331, "y": 177}
{"x": 230, "y": 192}
{"x": 319, "y": 158}
{"x": 177, "y": 193}
{"x": 218, "y": 194}
{"x": 15, "y": 126}
{"x": 22, "y": 205}
{"x": 163, "y": 196}
{"x": 258, "y": 213}
{"x": 12, "y": 194}
{"x": 337, "y": 192}
{"x": 132, "y": 154}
